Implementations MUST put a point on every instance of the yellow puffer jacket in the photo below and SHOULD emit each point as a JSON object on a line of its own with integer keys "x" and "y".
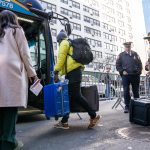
{"x": 64, "y": 50}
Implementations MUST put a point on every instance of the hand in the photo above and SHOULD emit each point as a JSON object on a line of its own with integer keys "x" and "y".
{"x": 125, "y": 73}
{"x": 33, "y": 79}
{"x": 56, "y": 78}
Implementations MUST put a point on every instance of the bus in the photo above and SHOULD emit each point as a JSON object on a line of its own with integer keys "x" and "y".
{"x": 36, "y": 24}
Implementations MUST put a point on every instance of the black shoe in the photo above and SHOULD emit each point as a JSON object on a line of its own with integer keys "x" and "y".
{"x": 126, "y": 109}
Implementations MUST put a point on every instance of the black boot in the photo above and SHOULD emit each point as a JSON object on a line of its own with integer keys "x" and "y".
{"x": 126, "y": 109}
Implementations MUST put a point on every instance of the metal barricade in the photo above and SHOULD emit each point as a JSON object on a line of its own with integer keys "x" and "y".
{"x": 111, "y": 88}
{"x": 107, "y": 84}
{"x": 145, "y": 87}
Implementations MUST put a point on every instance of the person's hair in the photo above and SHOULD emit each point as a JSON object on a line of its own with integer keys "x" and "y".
{"x": 8, "y": 19}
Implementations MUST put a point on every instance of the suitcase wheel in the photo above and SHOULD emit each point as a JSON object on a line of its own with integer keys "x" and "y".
{"x": 48, "y": 118}
{"x": 56, "y": 118}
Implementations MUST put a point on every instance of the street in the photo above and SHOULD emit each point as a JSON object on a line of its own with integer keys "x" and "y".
{"x": 114, "y": 132}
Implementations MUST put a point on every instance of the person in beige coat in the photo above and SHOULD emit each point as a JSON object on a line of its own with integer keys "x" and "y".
{"x": 15, "y": 69}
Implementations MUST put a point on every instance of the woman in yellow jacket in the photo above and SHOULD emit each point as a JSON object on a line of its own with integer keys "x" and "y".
{"x": 73, "y": 72}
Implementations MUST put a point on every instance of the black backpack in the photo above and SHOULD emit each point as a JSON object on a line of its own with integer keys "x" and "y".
{"x": 81, "y": 51}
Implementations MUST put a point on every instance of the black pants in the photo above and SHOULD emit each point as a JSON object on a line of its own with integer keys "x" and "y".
{"x": 8, "y": 117}
{"x": 134, "y": 80}
{"x": 74, "y": 90}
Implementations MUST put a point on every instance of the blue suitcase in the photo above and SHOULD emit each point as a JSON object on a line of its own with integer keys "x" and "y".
{"x": 56, "y": 100}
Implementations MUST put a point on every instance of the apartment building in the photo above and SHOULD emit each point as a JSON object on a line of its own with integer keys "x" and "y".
{"x": 106, "y": 24}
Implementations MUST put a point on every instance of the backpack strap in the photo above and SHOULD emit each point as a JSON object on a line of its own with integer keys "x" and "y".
{"x": 69, "y": 40}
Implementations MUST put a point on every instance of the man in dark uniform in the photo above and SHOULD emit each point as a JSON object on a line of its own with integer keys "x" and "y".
{"x": 129, "y": 66}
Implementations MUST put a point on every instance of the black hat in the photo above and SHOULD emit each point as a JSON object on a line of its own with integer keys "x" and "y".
{"x": 127, "y": 43}
{"x": 61, "y": 36}
{"x": 147, "y": 37}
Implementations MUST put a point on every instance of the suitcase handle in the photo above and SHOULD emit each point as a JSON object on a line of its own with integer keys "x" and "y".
{"x": 62, "y": 99}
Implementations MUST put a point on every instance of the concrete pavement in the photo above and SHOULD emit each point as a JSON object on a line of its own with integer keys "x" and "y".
{"x": 37, "y": 133}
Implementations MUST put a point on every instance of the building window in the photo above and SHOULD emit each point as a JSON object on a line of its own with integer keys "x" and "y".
{"x": 128, "y": 19}
{"x": 128, "y": 11}
{"x": 69, "y": 13}
{"x": 120, "y": 15}
{"x": 122, "y": 49}
{"x": 64, "y": 1}
{"x": 91, "y": 11}
{"x": 108, "y": 10}
{"x": 53, "y": 21}
{"x": 74, "y": 36}
{"x": 51, "y": 7}
{"x": 75, "y": 26}
{"x": 119, "y": 1}
{"x": 127, "y": 4}
{"x": 92, "y": 21}
{"x": 64, "y": 11}
{"x": 110, "y": 47}
{"x": 109, "y": 2}
{"x": 110, "y": 37}
{"x": 92, "y": 31}
{"x": 48, "y": 6}
{"x": 121, "y": 32}
{"x": 108, "y": 18}
{"x": 94, "y": 43}
{"x": 55, "y": 46}
{"x": 122, "y": 40}
{"x": 108, "y": 27}
{"x": 120, "y": 23}
{"x": 130, "y": 36}
{"x": 118, "y": 6}
{"x": 75, "y": 4}
{"x": 97, "y": 54}
{"x": 129, "y": 27}
{"x": 98, "y": 65}
{"x": 112, "y": 58}
{"x": 54, "y": 32}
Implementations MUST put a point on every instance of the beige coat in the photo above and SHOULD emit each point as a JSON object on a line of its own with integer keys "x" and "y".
{"x": 15, "y": 66}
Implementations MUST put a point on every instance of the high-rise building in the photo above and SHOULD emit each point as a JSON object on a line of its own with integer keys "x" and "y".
{"x": 106, "y": 24}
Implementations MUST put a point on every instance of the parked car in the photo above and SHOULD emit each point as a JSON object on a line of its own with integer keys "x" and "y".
{"x": 88, "y": 80}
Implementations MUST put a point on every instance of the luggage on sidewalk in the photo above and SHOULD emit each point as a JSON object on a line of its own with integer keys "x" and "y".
{"x": 91, "y": 95}
{"x": 56, "y": 100}
{"x": 140, "y": 112}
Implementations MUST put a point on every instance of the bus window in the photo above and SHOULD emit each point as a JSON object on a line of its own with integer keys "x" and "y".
{"x": 42, "y": 47}
{"x": 33, "y": 46}
{"x": 31, "y": 29}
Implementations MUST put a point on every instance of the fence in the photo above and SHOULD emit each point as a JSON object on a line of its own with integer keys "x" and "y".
{"x": 110, "y": 85}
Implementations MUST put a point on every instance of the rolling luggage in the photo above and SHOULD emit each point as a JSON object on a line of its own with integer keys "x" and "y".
{"x": 140, "y": 112}
{"x": 56, "y": 100}
{"x": 91, "y": 95}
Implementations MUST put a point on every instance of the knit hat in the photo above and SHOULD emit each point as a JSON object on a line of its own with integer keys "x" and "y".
{"x": 61, "y": 36}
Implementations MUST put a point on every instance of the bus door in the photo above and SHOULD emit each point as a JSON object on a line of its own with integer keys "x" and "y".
{"x": 35, "y": 34}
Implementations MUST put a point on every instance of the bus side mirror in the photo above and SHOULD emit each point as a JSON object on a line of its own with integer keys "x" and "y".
{"x": 68, "y": 28}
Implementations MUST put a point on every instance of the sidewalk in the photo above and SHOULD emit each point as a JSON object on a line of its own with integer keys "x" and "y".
{"x": 39, "y": 134}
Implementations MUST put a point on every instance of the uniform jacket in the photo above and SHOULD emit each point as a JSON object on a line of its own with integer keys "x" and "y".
{"x": 129, "y": 63}
{"x": 15, "y": 68}
{"x": 65, "y": 63}
{"x": 147, "y": 65}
